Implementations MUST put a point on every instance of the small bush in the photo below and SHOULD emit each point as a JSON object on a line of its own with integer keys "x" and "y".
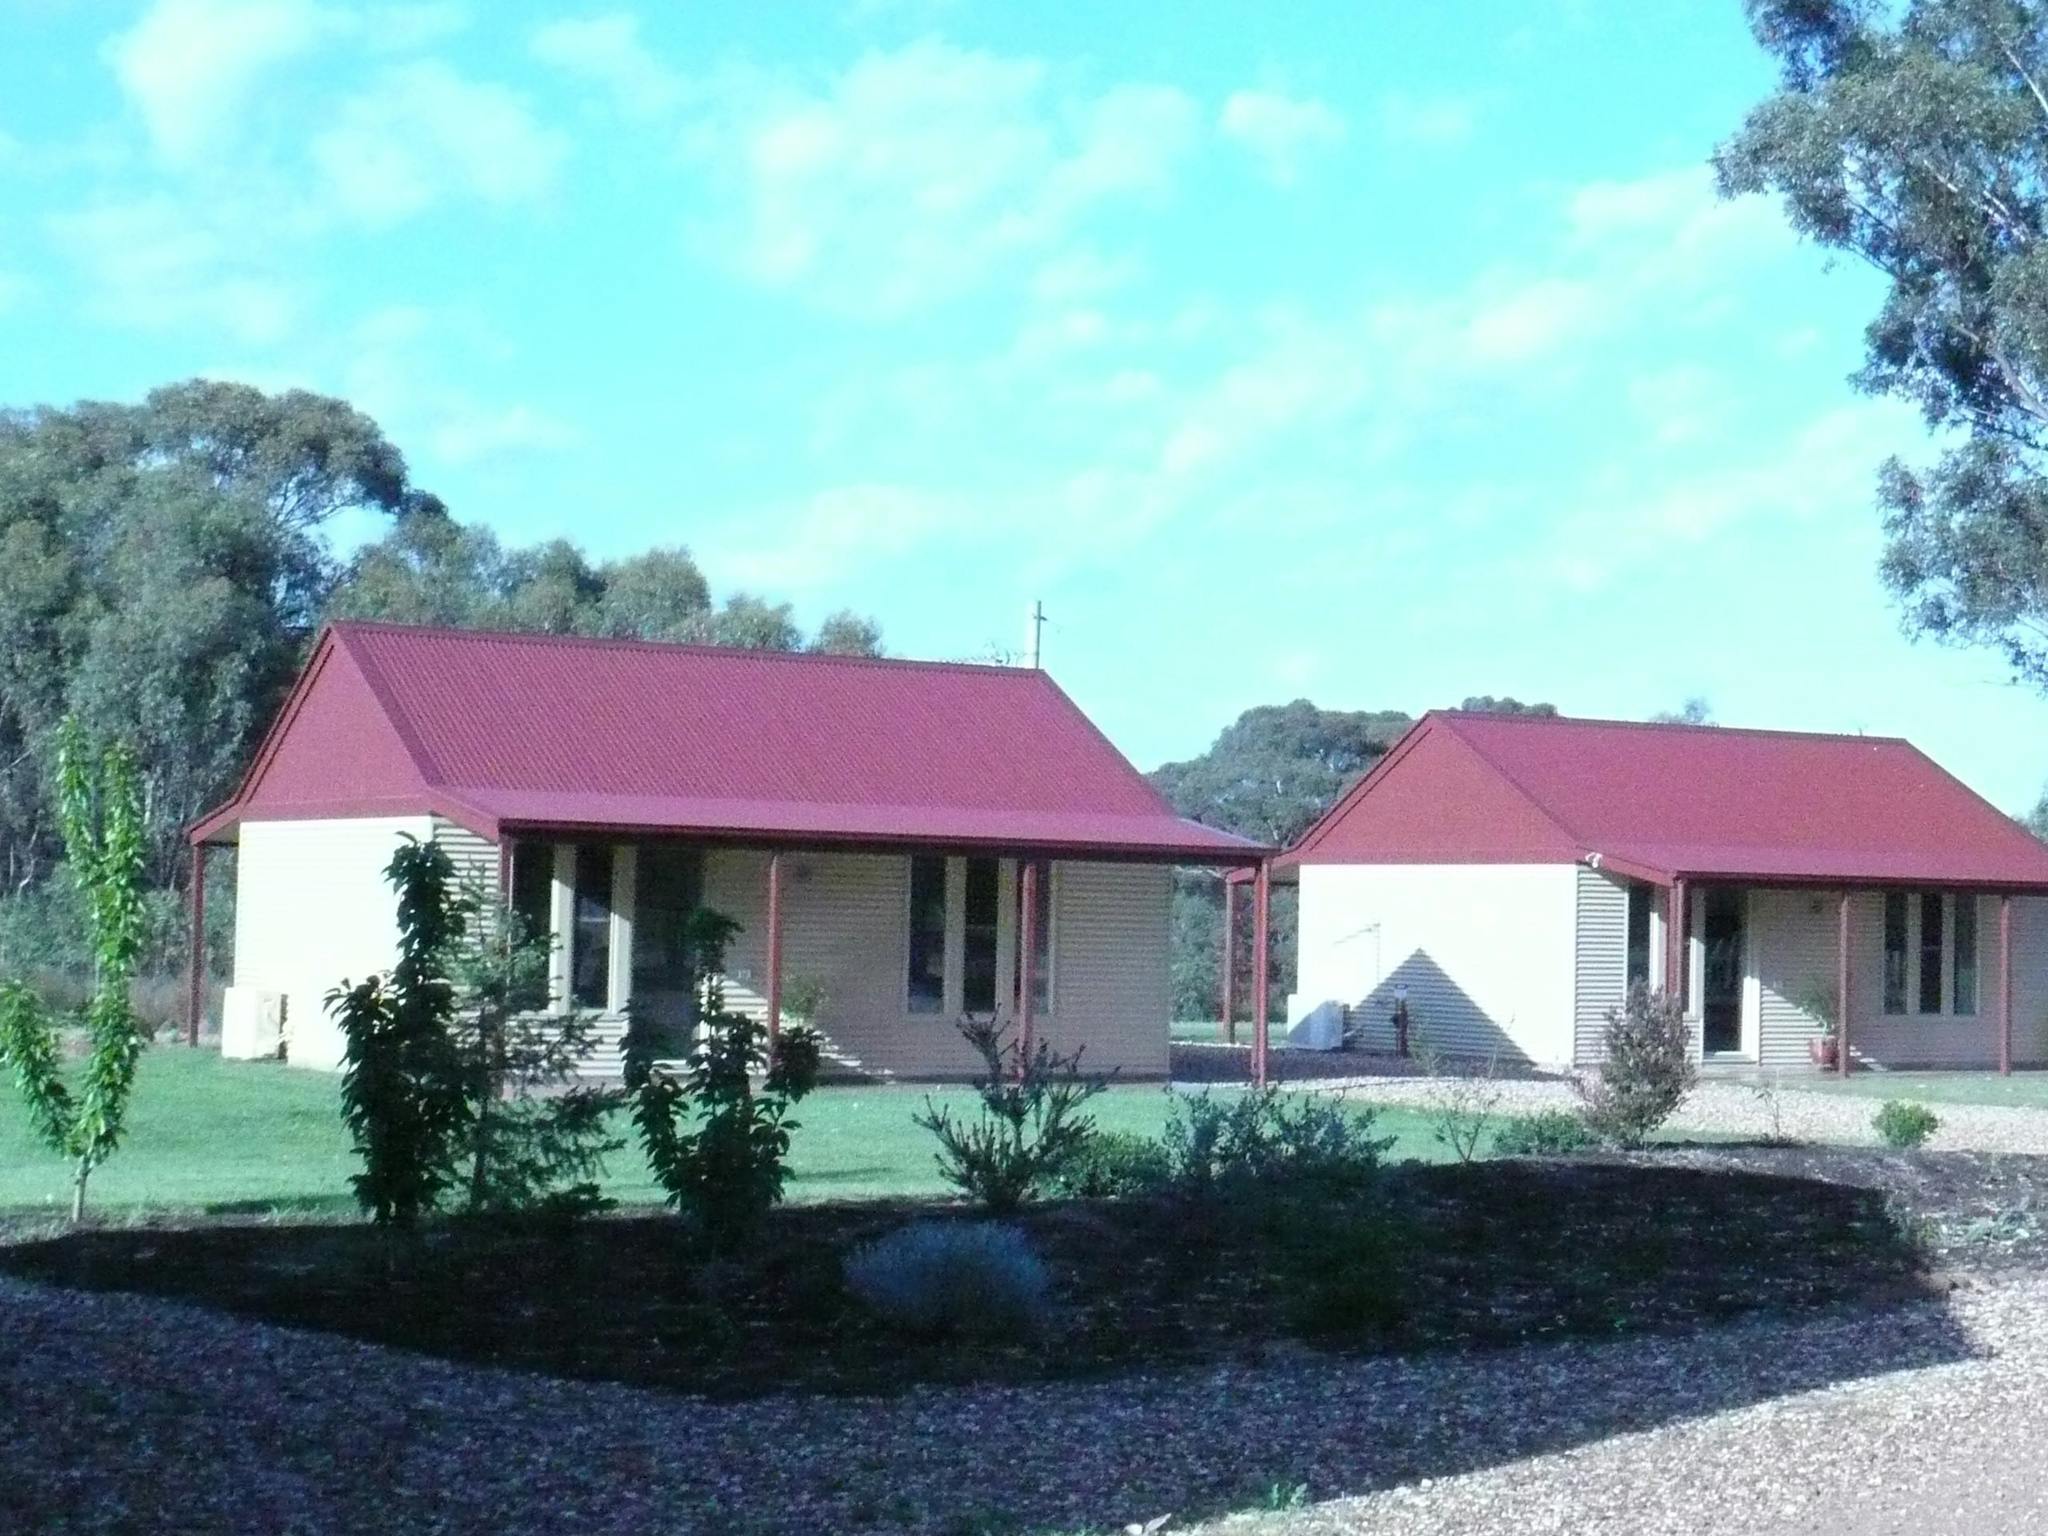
{"x": 933, "y": 1278}
{"x": 1029, "y": 1127}
{"x": 1904, "y": 1125}
{"x": 1548, "y": 1133}
{"x": 1648, "y": 1069}
{"x": 1266, "y": 1134}
{"x": 1113, "y": 1165}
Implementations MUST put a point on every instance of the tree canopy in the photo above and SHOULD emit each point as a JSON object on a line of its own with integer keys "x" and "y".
{"x": 1915, "y": 136}
{"x": 163, "y": 566}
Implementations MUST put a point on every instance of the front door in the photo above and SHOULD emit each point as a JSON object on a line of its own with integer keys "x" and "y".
{"x": 1721, "y": 970}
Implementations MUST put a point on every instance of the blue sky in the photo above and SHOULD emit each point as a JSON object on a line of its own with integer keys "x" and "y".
{"x": 1381, "y": 354}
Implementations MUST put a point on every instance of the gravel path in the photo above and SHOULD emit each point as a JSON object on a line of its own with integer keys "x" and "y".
{"x": 1945, "y": 1449}
{"x": 1737, "y": 1109}
{"x": 123, "y": 1414}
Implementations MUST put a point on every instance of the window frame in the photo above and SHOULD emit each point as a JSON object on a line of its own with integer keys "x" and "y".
{"x": 1008, "y": 886}
{"x": 1913, "y": 975}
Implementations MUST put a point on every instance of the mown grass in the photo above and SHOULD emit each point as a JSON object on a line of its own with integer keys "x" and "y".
{"x": 228, "y": 1137}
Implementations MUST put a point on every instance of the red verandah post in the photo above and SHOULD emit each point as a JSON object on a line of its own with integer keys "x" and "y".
{"x": 1842, "y": 986}
{"x": 1262, "y": 907}
{"x": 1229, "y": 959}
{"x": 774, "y": 948}
{"x": 2005, "y": 984}
{"x": 195, "y": 1000}
{"x": 1027, "y": 953}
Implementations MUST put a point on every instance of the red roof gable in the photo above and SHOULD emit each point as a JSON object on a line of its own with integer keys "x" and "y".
{"x": 546, "y": 732}
{"x": 1665, "y": 801}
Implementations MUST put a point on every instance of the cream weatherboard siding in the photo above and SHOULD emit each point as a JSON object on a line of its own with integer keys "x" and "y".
{"x": 1794, "y": 937}
{"x": 311, "y": 909}
{"x": 1601, "y": 950}
{"x": 846, "y": 926}
{"x": 1485, "y": 951}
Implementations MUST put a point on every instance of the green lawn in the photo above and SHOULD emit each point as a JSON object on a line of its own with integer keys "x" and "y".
{"x": 2023, "y": 1090}
{"x": 223, "y": 1136}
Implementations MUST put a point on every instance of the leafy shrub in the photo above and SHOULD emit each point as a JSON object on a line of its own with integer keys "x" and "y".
{"x": 100, "y": 807}
{"x": 402, "y": 1086}
{"x": 952, "y": 1277}
{"x": 1113, "y": 1165}
{"x": 1266, "y": 1134}
{"x": 1904, "y": 1125}
{"x": 1547, "y": 1133}
{"x": 715, "y": 1143}
{"x": 1029, "y": 1129}
{"x": 1339, "y": 1271}
{"x": 1648, "y": 1069}
{"x": 537, "y": 1135}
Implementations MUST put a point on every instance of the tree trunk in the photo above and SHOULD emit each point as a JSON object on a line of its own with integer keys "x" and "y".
{"x": 78, "y": 1191}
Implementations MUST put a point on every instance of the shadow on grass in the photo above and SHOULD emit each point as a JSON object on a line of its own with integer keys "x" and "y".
{"x": 1495, "y": 1311}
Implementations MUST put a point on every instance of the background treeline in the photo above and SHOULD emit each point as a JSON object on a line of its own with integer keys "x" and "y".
{"x": 165, "y": 565}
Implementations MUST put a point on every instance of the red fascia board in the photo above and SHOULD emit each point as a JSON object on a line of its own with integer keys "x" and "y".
{"x": 828, "y": 842}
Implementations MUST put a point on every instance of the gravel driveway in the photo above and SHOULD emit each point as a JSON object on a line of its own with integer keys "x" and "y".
{"x": 125, "y": 1414}
{"x": 1737, "y": 1109}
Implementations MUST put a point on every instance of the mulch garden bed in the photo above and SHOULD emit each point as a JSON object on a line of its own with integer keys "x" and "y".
{"x": 1968, "y": 1210}
{"x": 1491, "y": 1253}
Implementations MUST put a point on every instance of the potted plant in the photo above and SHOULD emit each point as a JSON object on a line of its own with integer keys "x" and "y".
{"x": 1817, "y": 1000}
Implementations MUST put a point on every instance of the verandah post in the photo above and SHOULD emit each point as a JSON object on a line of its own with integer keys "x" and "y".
{"x": 1842, "y": 986}
{"x": 2005, "y": 983}
{"x": 1262, "y": 906}
{"x": 1229, "y": 958}
{"x": 1027, "y": 945}
{"x": 774, "y": 948}
{"x": 195, "y": 1000}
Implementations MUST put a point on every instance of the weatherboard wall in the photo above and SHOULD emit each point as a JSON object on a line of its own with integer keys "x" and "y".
{"x": 1485, "y": 953}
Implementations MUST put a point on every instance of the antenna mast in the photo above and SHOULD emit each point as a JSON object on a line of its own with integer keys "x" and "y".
{"x": 1034, "y": 636}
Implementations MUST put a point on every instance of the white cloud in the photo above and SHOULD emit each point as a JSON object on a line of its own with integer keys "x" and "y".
{"x": 915, "y": 173}
{"x": 1433, "y": 121}
{"x": 607, "y": 51}
{"x": 191, "y": 67}
{"x": 1283, "y": 131}
{"x": 423, "y": 132}
{"x": 838, "y": 528}
{"x": 471, "y": 433}
{"x": 153, "y": 264}
{"x": 407, "y": 28}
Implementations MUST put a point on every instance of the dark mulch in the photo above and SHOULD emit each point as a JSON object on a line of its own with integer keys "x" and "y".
{"x": 1435, "y": 1256}
{"x": 1967, "y": 1209}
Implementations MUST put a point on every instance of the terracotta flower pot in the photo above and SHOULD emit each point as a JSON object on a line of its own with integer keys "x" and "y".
{"x": 1825, "y": 1051}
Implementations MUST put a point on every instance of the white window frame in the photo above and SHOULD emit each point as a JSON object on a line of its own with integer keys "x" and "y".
{"x": 562, "y": 938}
{"x": 953, "y": 1005}
{"x": 1950, "y": 900}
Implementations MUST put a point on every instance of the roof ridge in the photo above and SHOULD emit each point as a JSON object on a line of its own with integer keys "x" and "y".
{"x": 679, "y": 647}
{"x": 1666, "y": 725}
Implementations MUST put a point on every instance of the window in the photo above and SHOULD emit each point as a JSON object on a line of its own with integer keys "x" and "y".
{"x": 590, "y": 948}
{"x": 1041, "y": 943}
{"x": 533, "y": 888}
{"x": 927, "y": 979}
{"x": 965, "y": 923}
{"x": 1641, "y": 898}
{"x": 980, "y": 936}
{"x": 1895, "y": 952}
{"x": 668, "y": 887}
{"x": 1965, "y": 985}
{"x": 1930, "y": 952}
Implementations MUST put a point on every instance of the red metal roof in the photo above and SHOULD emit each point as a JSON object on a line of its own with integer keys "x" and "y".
{"x": 510, "y": 731}
{"x": 1668, "y": 801}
